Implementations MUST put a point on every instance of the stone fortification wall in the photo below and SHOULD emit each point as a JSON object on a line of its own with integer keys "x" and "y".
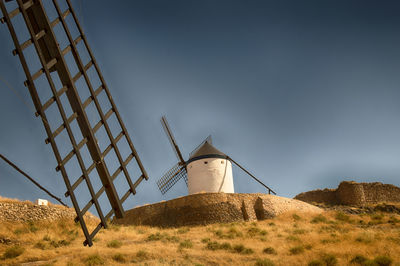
{"x": 207, "y": 208}
{"x": 353, "y": 193}
{"x": 26, "y": 211}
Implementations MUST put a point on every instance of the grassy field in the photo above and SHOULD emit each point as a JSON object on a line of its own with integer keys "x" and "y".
{"x": 333, "y": 238}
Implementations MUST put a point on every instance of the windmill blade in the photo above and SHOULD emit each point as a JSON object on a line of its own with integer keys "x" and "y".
{"x": 255, "y": 178}
{"x": 171, "y": 177}
{"x": 208, "y": 139}
{"x": 172, "y": 140}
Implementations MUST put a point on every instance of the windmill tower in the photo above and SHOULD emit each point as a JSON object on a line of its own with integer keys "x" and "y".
{"x": 207, "y": 169}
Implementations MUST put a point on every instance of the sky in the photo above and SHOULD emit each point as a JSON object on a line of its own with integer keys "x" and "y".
{"x": 304, "y": 94}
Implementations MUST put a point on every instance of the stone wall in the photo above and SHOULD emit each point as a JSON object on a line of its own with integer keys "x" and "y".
{"x": 353, "y": 193}
{"x": 27, "y": 211}
{"x": 207, "y": 208}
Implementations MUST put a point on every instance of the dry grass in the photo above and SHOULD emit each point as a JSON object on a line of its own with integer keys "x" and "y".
{"x": 9, "y": 200}
{"x": 290, "y": 239}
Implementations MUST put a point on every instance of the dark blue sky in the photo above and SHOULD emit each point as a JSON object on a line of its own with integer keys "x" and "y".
{"x": 302, "y": 93}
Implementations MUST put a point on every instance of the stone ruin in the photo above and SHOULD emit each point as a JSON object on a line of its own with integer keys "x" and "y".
{"x": 353, "y": 193}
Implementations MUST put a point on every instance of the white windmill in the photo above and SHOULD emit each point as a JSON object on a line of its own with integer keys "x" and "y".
{"x": 207, "y": 170}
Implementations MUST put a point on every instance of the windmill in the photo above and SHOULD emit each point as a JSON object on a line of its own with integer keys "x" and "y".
{"x": 89, "y": 140}
{"x": 207, "y": 169}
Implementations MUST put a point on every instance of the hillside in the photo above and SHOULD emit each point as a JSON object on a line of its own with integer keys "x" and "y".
{"x": 294, "y": 238}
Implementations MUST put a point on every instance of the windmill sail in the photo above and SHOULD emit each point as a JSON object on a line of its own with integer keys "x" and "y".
{"x": 172, "y": 140}
{"x": 171, "y": 177}
{"x": 81, "y": 100}
{"x": 179, "y": 170}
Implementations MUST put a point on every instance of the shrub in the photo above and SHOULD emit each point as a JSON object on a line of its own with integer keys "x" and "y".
{"x": 212, "y": 245}
{"x": 365, "y": 238}
{"x": 32, "y": 227}
{"x": 154, "y": 237}
{"x": 383, "y": 260}
{"x": 360, "y": 259}
{"x": 114, "y": 244}
{"x": 319, "y": 219}
{"x": 13, "y": 252}
{"x": 296, "y": 250}
{"x": 329, "y": 259}
{"x": 183, "y": 230}
{"x": 40, "y": 245}
{"x": 186, "y": 244}
{"x": 329, "y": 241}
{"x": 205, "y": 240}
{"x": 341, "y": 216}
{"x": 173, "y": 239}
{"x": 225, "y": 246}
{"x": 94, "y": 259}
{"x": 141, "y": 254}
{"x": 60, "y": 243}
{"x": 393, "y": 220}
{"x": 230, "y": 234}
{"x": 215, "y": 246}
{"x": 242, "y": 249}
{"x": 316, "y": 263}
{"x": 377, "y": 216}
{"x": 269, "y": 250}
{"x": 119, "y": 258}
{"x": 264, "y": 262}
{"x": 292, "y": 238}
{"x": 253, "y": 231}
{"x": 20, "y": 231}
{"x": 299, "y": 231}
{"x": 296, "y": 217}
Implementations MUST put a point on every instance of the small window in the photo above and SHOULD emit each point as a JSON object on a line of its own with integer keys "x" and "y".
{"x": 222, "y": 162}
{"x": 205, "y": 162}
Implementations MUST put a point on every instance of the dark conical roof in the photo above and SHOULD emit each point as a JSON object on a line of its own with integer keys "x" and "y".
{"x": 207, "y": 149}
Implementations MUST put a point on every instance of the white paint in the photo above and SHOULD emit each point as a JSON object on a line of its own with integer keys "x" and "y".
{"x": 42, "y": 202}
{"x": 210, "y": 175}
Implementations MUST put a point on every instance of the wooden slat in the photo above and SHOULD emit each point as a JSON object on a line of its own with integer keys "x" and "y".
{"x": 80, "y": 179}
{"x": 126, "y": 195}
{"x": 69, "y": 47}
{"x": 90, "y": 98}
{"x": 25, "y": 44}
{"x": 60, "y": 128}
{"x": 79, "y": 74}
{"x": 42, "y": 70}
{"x": 53, "y": 99}
{"x": 18, "y": 10}
{"x": 37, "y": 74}
{"x": 71, "y": 154}
{"x": 57, "y": 20}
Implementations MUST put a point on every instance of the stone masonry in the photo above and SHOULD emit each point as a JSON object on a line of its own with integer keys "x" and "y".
{"x": 353, "y": 193}
{"x": 207, "y": 208}
{"x": 27, "y": 211}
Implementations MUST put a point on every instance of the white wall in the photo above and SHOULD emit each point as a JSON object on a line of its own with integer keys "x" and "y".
{"x": 210, "y": 175}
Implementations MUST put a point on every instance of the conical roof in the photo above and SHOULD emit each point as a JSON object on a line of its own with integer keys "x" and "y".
{"x": 206, "y": 150}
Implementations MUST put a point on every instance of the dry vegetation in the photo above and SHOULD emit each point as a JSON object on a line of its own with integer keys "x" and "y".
{"x": 333, "y": 238}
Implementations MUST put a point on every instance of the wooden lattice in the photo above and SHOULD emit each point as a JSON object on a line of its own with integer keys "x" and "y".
{"x": 66, "y": 95}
